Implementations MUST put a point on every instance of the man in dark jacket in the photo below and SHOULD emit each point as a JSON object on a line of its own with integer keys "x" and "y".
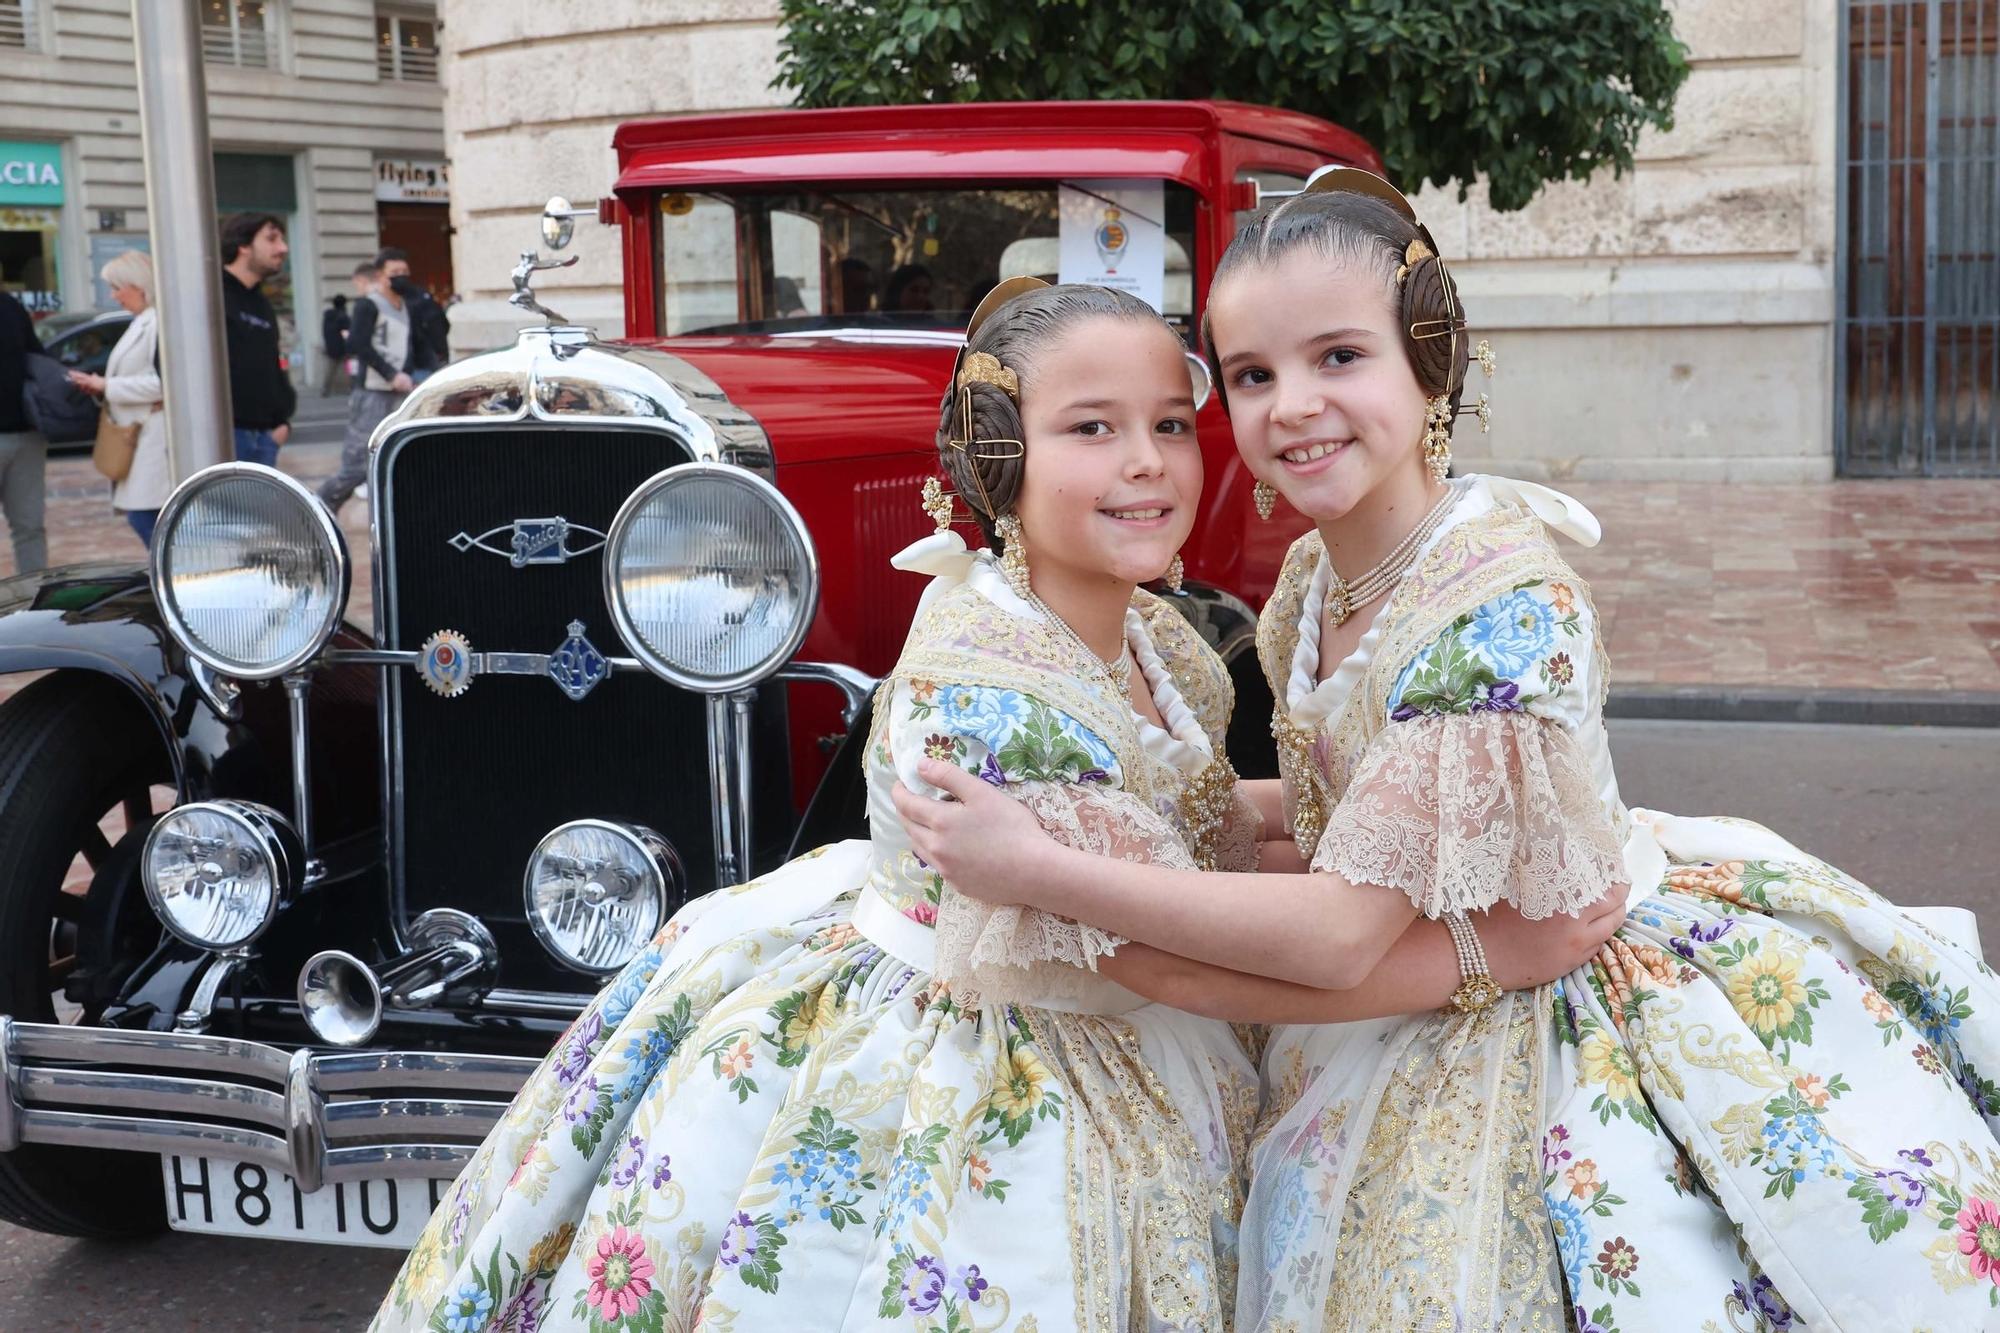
{"x": 333, "y": 326}
{"x": 261, "y": 397}
{"x": 430, "y": 329}
{"x": 22, "y": 451}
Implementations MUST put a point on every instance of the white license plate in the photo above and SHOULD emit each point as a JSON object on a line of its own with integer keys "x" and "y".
{"x": 218, "y": 1195}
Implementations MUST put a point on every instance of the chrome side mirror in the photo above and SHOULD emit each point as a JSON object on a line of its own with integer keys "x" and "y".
{"x": 559, "y": 222}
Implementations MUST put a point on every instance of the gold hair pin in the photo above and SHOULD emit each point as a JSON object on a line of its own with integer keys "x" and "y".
{"x": 985, "y": 368}
{"x": 1416, "y": 253}
{"x": 1482, "y": 352}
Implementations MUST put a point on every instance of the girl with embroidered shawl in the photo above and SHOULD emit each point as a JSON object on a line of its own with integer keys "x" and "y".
{"x": 1767, "y": 1103}
{"x": 845, "y": 1097}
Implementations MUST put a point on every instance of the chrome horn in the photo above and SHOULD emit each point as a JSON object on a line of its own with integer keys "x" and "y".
{"x": 342, "y": 997}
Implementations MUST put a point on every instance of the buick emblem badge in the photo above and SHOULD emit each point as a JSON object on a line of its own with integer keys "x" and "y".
{"x": 577, "y": 666}
{"x": 445, "y": 663}
{"x": 532, "y": 541}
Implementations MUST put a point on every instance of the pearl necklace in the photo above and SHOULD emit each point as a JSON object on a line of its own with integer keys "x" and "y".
{"x": 1343, "y": 599}
{"x": 1117, "y": 671}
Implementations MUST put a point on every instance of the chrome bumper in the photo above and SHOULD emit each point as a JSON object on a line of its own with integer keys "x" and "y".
{"x": 317, "y": 1118}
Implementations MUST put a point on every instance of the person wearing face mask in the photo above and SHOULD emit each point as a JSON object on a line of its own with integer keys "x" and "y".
{"x": 383, "y": 343}
{"x": 1770, "y": 1101}
{"x": 430, "y": 327}
{"x": 844, "y": 1096}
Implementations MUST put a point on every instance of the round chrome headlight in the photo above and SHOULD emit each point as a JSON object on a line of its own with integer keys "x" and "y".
{"x": 597, "y": 891}
{"x": 710, "y": 576}
{"x": 216, "y": 872}
{"x": 249, "y": 569}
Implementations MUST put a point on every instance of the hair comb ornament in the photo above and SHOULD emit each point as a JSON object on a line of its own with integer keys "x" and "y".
{"x": 937, "y": 504}
{"x": 1416, "y": 253}
{"x": 985, "y": 368}
{"x": 1482, "y": 352}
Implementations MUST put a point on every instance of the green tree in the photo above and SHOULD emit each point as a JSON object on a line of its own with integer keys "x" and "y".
{"x": 1526, "y": 91}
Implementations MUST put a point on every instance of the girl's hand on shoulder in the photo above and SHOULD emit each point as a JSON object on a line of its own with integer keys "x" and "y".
{"x": 975, "y": 837}
{"x": 1524, "y": 954}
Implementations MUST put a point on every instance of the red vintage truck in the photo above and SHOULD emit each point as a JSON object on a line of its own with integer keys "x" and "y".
{"x": 290, "y": 905}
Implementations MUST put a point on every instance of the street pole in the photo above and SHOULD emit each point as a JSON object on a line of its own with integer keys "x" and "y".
{"x": 180, "y": 205}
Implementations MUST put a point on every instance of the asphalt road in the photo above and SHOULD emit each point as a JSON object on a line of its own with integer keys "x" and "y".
{"x": 1911, "y": 811}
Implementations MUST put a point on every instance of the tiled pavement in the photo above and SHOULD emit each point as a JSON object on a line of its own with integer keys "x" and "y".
{"x": 1842, "y": 585}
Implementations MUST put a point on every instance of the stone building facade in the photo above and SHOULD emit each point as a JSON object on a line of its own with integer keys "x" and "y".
{"x": 327, "y": 112}
{"x": 1675, "y": 323}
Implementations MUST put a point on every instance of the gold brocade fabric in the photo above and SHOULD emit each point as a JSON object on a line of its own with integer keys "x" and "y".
{"x": 1393, "y": 1181}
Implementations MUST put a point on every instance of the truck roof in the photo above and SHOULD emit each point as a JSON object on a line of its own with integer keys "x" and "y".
{"x": 962, "y": 140}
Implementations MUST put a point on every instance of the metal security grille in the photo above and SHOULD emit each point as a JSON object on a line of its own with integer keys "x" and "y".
{"x": 1918, "y": 283}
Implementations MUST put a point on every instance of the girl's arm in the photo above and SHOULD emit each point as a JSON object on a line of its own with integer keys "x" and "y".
{"x": 1419, "y": 972}
{"x": 1268, "y": 795}
{"x": 1323, "y": 931}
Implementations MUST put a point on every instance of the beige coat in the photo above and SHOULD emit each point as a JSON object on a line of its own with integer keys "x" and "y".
{"x": 132, "y": 393}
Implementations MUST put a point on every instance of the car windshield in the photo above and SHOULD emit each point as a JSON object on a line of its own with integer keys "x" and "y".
{"x": 807, "y": 260}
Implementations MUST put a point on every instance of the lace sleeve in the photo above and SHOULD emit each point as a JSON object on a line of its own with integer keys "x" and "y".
{"x": 1464, "y": 810}
{"x": 1006, "y": 952}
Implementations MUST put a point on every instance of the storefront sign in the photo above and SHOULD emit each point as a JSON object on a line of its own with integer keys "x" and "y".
{"x": 30, "y": 173}
{"x": 1113, "y": 236}
{"x": 412, "y": 181}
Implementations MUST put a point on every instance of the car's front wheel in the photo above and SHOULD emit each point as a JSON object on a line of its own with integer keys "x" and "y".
{"x": 78, "y": 763}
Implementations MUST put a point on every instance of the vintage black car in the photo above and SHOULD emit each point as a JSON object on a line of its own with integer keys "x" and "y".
{"x": 360, "y": 882}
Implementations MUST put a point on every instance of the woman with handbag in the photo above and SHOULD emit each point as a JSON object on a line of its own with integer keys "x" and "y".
{"x": 131, "y": 447}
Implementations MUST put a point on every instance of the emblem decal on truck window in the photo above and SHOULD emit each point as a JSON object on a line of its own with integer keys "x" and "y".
{"x": 532, "y": 541}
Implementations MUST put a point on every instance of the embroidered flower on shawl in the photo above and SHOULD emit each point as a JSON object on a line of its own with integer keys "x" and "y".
{"x": 739, "y": 1241}
{"x": 466, "y": 1312}
{"x": 1762, "y": 1299}
{"x": 620, "y": 1275}
{"x": 575, "y": 1056}
{"x": 1512, "y": 632}
{"x": 1604, "y": 1060}
{"x": 1767, "y": 993}
{"x": 1903, "y": 1189}
{"x": 1021, "y": 1093}
{"x": 548, "y": 1253}
{"x": 1025, "y": 739}
{"x": 1554, "y": 1154}
{"x": 630, "y": 1162}
{"x": 923, "y": 1285}
{"x": 973, "y": 1285}
{"x": 1572, "y": 1238}
{"x": 1618, "y": 1259}
{"x": 1979, "y": 1237}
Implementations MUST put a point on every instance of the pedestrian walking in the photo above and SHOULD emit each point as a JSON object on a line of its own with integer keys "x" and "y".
{"x": 430, "y": 328}
{"x": 333, "y": 326}
{"x": 261, "y": 396}
{"x": 133, "y": 394}
{"x": 382, "y": 341}
{"x": 22, "y": 449}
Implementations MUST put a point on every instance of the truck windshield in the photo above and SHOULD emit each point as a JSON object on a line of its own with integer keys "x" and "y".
{"x": 805, "y": 260}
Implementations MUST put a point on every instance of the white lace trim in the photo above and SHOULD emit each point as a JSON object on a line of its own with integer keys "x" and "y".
{"x": 1012, "y": 953}
{"x": 1464, "y": 811}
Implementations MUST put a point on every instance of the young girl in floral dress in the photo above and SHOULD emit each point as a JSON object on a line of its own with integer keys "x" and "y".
{"x": 1768, "y": 1103}
{"x": 843, "y": 1097}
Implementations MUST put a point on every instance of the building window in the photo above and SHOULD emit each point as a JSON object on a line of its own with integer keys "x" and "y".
{"x": 238, "y": 32}
{"x": 18, "y": 26}
{"x": 406, "y": 48}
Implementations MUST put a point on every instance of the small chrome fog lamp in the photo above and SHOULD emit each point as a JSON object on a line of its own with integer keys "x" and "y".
{"x": 710, "y": 576}
{"x": 597, "y": 891}
{"x": 216, "y": 872}
{"x": 249, "y": 569}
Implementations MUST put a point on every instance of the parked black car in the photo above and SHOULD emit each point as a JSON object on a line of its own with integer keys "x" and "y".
{"x": 288, "y": 909}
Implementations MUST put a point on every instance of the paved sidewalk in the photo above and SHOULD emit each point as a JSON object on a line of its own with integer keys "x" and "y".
{"x": 1845, "y": 585}
{"x": 1851, "y": 585}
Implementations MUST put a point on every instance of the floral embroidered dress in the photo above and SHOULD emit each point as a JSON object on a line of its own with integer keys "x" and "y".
{"x": 844, "y": 1097}
{"x": 1767, "y": 1104}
